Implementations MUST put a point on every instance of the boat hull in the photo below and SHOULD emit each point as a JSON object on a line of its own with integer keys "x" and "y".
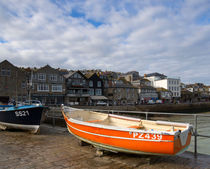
{"x": 129, "y": 141}
{"x": 22, "y": 117}
{"x": 119, "y": 149}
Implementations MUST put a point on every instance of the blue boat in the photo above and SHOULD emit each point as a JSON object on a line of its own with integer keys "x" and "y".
{"x": 25, "y": 117}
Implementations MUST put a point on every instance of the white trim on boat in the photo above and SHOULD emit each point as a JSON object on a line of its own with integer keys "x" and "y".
{"x": 20, "y": 126}
{"x": 172, "y": 123}
{"x": 125, "y": 138}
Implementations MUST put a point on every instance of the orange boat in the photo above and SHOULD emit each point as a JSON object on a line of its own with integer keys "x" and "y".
{"x": 126, "y": 134}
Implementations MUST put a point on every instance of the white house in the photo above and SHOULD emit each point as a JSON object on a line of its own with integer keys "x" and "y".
{"x": 171, "y": 84}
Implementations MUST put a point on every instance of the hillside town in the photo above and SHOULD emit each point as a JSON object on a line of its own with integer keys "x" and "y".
{"x": 55, "y": 86}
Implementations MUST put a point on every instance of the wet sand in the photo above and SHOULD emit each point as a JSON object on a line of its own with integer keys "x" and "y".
{"x": 56, "y": 148}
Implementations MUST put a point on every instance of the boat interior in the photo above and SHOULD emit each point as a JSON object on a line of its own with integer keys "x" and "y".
{"x": 124, "y": 122}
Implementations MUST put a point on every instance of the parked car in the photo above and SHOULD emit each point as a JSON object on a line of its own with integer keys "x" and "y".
{"x": 151, "y": 102}
{"x": 32, "y": 102}
{"x": 101, "y": 103}
{"x": 159, "y": 101}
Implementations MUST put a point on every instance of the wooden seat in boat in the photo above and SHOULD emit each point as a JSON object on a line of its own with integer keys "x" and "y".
{"x": 136, "y": 127}
{"x": 93, "y": 121}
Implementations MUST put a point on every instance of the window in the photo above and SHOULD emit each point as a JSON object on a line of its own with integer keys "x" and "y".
{"x": 78, "y": 91}
{"x": 91, "y": 92}
{"x": 71, "y": 91}
{"x": 5, "y": 72}
{"x": 90, "y": 83}
{"x": 98, "y": 92}
{"x": 34, "y": 76}
{"x": 33, "y": 86}
{"x": 76, "y": 82}
{"x": 42, "y": 76}
{"x": 84, "y": 82}
{"x": 60, "y": 78}
{"x": 56, "y": 88}
{"x": 23, "y": 85}
{"x": 76, "y": 75}
{"x": 69, "y": 80}
{"x": 43, "y": 87}
{"x": 53, "y": 77}
{"x": 98, "y": 83}
{"x": 106, "y": 84}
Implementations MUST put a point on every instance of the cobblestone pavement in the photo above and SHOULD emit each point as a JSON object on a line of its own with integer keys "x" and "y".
{"x": 55, "y": 148}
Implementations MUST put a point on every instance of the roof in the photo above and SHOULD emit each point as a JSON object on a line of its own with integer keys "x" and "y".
{"x": 88, "y": 75}
{"x": 6, "y": 62}
{"x": 161, "y": 89}
{"x": 155, "y": 74}
{"x": 123, "y": 80}
{"x": 98, "y": 98}
{"x": 71, "y": 73}
{"x": 146, "y": 87}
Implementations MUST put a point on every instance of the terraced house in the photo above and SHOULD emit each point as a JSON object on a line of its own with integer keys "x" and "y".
{"x": 96, "y": 89}
{"x": 122, "y": 92}
{"x": 48, "y": 85}
{"x": 77, "y": 88}
{"x": 13, "y": 81}
{"x": 145, "y": 91}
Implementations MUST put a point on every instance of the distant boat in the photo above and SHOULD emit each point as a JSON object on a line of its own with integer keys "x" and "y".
{"x": 26, "y": 117}
{"x": 126, "y": 134}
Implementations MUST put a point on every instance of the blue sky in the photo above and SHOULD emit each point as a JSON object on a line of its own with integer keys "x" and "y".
{"x": 165, "y": 36}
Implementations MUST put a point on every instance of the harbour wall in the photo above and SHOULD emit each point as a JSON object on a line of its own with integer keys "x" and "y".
{"x": 170, "y": 108}
{"x": 54, "y": 116}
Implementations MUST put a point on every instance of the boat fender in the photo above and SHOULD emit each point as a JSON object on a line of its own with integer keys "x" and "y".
{"x": 183, "y": 137}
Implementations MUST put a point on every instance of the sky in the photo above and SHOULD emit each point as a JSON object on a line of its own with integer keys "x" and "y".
{"x": 164, "y": 36}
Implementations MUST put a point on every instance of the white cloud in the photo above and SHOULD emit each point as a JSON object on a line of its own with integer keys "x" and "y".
{"x": 171, "y": 38}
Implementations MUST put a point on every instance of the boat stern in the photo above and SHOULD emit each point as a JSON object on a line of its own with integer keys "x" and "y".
{"x": 182, "y": 140}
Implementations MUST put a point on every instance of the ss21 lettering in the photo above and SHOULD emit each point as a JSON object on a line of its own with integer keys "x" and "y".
{"x": 21, "y": 113}
{"x": 147, "y": 136}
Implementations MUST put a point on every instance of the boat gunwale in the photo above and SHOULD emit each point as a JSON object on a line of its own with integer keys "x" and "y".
{"x": 13, "y": 108}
